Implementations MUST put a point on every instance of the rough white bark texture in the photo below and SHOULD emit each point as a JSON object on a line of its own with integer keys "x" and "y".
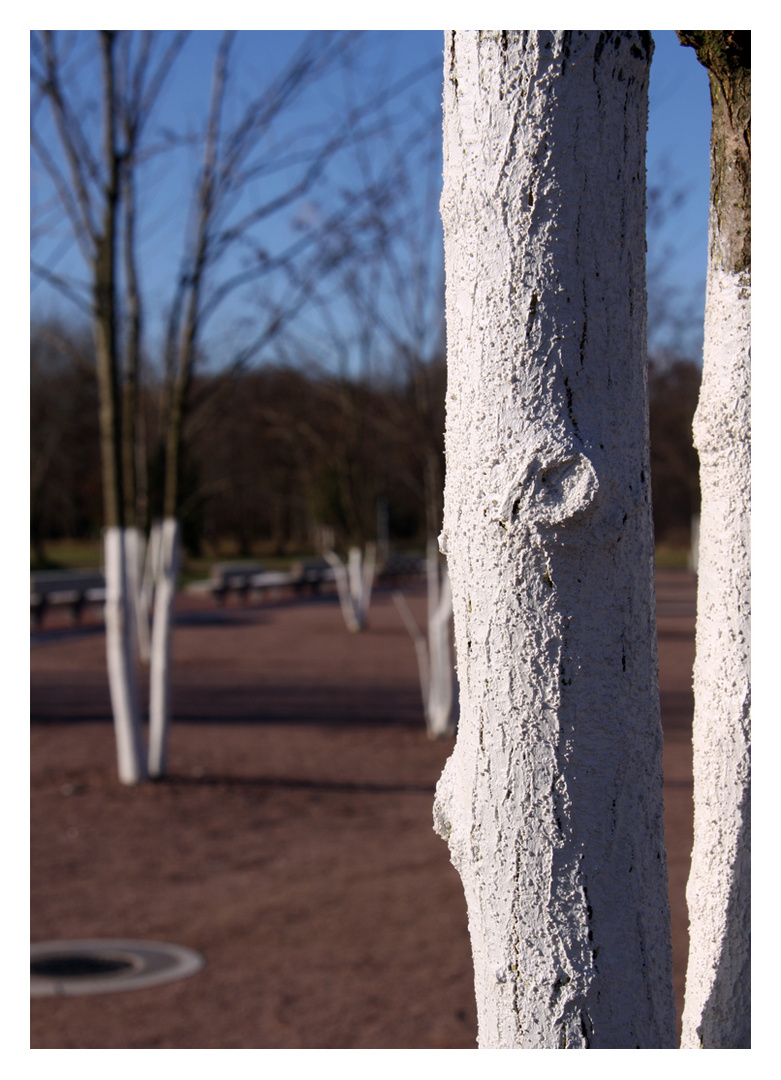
{"x": 160, "y": 664}
{"x": 120, "y": 658}
{"x": 354, "y": 583}
{"x": 717, "y": 1010}
{"x": 551, "y": 802}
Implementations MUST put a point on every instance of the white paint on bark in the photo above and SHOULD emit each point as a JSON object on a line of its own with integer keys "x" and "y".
{"x": 120, "y": 658}
{"x": 551, "y": 802}
{"x": 160, "y": 665}
{"x": 354, "y": 583}
{"x": 442, "y": 696}
{"x": 718, "y": 984}
{"x": 438, "y": 684}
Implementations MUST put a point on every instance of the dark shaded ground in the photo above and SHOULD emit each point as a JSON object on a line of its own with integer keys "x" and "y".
{"x": 292, "y": 844}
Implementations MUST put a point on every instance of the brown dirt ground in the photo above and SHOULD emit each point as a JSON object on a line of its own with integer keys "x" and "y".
{"x": 291, "y": 844}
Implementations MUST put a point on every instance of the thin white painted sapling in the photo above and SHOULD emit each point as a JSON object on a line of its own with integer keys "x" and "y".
{"x": 354, "y": 583}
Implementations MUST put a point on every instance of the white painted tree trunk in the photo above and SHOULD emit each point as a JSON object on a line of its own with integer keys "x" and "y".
{"x": 442, "y": 710}
{"x": 160, "y": 666}
{"x": 120, "y": 657}
{"x": 135, "y": 546}
{"x": 438, "y": 684}
{"x": 551, "y": 802}
{"x": 717, "y": 1010}
{"x": 354, "y": 583}
{"x": 147, "y": 592}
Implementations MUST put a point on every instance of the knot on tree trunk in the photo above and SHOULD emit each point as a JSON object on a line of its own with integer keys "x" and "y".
{"x": 550, "y": 489}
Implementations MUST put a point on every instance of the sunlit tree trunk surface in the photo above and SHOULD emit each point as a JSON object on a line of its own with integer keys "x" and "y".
{"x": 438, "y": 684}
{"x": 160, "y": 663}
{"x": 552, "y": 800}
{"x": 717, "y": 1012}
{"x": 119, "y": 607}
{"x": 442, "y": 696}
{"x": 354, "y": 584}
{"x": 120, "y": 657}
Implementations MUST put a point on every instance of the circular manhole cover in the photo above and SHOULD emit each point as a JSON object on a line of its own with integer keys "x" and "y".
{"x": 63, "y": 968}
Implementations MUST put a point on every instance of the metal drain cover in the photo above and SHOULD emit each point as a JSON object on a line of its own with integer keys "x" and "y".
{"x": 63, "y": 968}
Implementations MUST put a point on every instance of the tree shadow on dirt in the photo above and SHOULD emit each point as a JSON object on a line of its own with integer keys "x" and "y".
{"x": 296, "y": 784}
{"x": 284, "y": 703}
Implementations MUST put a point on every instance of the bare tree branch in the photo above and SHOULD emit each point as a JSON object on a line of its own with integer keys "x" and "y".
{"x": 74, "y": 143}
{"x": 82, "y": 231}
{"x": 63, "y": 286}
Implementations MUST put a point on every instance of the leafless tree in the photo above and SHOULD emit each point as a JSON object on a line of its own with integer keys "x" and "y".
{"x": 89, "y": 172}
{"x": 242, "y": 152}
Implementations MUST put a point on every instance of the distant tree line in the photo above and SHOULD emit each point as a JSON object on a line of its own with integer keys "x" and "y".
{"x": 271, "y": 455}
{"x": 65, "y": 481}
{"x": 275, "y": 454}
{"x": 673, "y": 389}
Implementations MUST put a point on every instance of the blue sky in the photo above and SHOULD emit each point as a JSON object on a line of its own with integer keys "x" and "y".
{"x": 679, "y": 152}
{"x": 678, "y": 137}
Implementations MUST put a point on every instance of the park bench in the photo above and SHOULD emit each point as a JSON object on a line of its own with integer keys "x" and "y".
{"x": 246, "y": 578}
{"x": 397, "y": 568}
{"x": 243, "y": 579}
{"x": 232, "y": 577}
{"x": 310, "y": 576}
{"x": 73, "y": 588}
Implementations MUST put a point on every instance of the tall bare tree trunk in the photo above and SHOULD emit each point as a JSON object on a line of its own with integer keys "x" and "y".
{"x": 133, "y": 462}
{"x": 552, "y": 800}
{"x": 717, "y": 1012}
{"x": 160, "y": 666}
{"x": 167, "y": 559}
{"x": 120, "y": 657}
{"x": 120, "y": 625}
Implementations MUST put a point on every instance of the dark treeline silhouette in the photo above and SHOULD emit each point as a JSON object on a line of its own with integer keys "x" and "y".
{"x": 276, "y": 454}
{"x": 273, "y": 455}
{"x": 65, "y": 479}
{"x": 673, "y": 389}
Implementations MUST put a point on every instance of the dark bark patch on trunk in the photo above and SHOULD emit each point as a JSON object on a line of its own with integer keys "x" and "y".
{"x": 726, "y": 55}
